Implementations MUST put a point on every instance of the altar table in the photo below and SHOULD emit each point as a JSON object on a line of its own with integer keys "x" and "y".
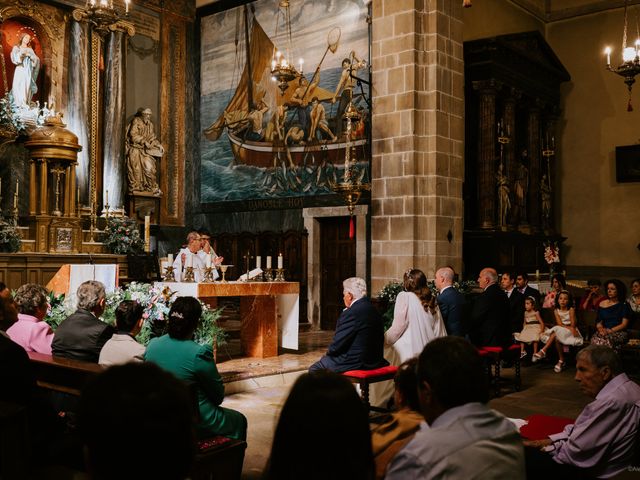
{"x": 268, "y": 311}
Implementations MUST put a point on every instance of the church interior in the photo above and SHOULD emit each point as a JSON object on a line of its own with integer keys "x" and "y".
{"x": 299, "y": 143}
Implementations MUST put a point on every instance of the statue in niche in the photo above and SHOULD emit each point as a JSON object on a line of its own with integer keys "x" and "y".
{"x": 504, "y": 203}
{"x": 142, "y": 150}
{"x": 545, "y": 200}
{"x": 521, "y": 187}
{"x": 26, "y": 73}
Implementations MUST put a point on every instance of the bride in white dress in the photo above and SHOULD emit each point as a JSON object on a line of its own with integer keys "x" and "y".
{"x": 416, "y": 321}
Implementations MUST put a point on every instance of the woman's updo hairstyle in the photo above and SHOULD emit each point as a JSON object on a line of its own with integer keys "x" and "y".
{"x": 183, "y": 318}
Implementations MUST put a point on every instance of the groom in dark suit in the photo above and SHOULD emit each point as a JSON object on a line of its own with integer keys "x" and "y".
{"x": 359, "y": 338}
{"x": 490, "y": 314}
{"x": 450, "y": 302}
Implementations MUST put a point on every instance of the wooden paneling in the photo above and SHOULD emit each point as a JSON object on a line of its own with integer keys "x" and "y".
{"x": 19, "y": 268}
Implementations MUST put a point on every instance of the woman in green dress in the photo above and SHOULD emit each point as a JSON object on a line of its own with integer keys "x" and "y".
{"x": 177, "y": 353}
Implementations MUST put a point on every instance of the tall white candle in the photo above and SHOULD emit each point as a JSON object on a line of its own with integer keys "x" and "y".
{"x": 189, "y": 259}
{"x": 280, "y": 261}
{"x": 170, "y": 258}
{"x": 268, "y": 261}
{"x": 106, "y": 202}
{"x": 258, "y": 261}
{"x": 207, "y": 261}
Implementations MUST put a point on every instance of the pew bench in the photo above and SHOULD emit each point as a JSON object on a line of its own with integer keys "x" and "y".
{"x": 62, "y": 374}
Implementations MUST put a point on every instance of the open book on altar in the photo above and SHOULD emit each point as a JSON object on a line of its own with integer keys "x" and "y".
{"x": 69, "y": 277}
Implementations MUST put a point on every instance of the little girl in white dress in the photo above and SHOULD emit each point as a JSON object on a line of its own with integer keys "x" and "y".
{"x": 532, "y": 328}
{"x": 564, "y": 333}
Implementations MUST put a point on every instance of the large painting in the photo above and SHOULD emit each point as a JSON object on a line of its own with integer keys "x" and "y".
{"x": 279, "y": 144}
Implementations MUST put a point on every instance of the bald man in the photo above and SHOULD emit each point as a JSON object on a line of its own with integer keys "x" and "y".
{"x": 450, "y": 302}
{"x": 490, "y": 313}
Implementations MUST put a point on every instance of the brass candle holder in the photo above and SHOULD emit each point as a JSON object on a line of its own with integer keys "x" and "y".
{"x": 208, "y": 275}
{"x": 268, "y": 275}
{"x": 188, "y": 276}
{"x": 279, "y": 275}
{"x": 169, "y": 274}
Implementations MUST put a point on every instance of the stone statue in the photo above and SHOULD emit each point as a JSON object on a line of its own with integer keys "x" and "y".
{"x": 142, "y": 150}
{"x": 521, "y": 187}
{"x": 26, "y": 73}
{"x": 504, "y": 204}
{"x": 545, "y": 199}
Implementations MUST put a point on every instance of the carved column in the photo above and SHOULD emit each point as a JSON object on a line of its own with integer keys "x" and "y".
{"x": 32, "y": 191}
{"x": 510, "y": 131}
{"x": 535, "y": 174}
{"x": 549, "y": 162}
{"x": 487, "y": 153}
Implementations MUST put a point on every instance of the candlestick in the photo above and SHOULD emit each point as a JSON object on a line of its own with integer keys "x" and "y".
{"x": 268, "y": 261}
{"x": 280, "y": 261}
{"x": 258, "y": 261}
{"x": 147, "y": 233}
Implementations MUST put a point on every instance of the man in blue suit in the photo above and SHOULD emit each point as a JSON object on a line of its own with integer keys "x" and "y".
{"x": 359, "y": 338}
{"x": 450, "y": 302}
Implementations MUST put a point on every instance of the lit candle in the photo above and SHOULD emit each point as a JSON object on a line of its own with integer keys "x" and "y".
{"x": 553, "y": 142}
{"x": 628, "y": 54}
{"x": 189, "y": 259}
{"x": 268, "y": 261}
{"x": 537, "y": 273}
{"x": 147, "y": 233}
{"x": 280, "y": 261}
{"x": 258, "y": 261}
{"x": 273, "y": 64}
{"x": 170, "y": 258}
{"x": 126, "y": 6}
{"x": 607, "y": 51}
{"x": 301, "y": 62}
{"x": 207, "y": 261}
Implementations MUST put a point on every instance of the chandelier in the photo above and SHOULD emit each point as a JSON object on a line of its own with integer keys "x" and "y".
{"x": 103, "y": 15}
{"x": 282, "y": 69}
{"x": 630, "y": 66}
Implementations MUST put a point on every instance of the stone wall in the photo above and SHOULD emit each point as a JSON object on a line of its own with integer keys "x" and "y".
{"x": 418, "y": 132}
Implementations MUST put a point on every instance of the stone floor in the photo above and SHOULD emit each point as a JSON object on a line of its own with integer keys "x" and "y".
{"x": 259, "y": 387}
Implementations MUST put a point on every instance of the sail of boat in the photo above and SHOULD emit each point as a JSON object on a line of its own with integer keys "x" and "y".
{"x": 262, "y": 85}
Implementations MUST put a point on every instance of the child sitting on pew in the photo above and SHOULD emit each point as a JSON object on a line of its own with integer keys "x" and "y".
{"x": 532, "y": 328}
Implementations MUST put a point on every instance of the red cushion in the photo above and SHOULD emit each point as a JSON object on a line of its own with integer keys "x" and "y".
{"x": 514, "y": 347}
{"x": 391, "y": 369}
{"x": 541, "y": 426}
{"x": 212, "y": 442}
{"x": 492, "y": 349}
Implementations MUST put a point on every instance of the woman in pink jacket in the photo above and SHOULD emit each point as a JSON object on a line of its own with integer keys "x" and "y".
{"x": 30, "y": 331}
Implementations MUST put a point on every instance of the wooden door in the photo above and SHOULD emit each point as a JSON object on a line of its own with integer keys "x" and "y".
{"x": 337, "y": 263}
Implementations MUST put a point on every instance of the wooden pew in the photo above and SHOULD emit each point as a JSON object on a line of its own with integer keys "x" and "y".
{"x": 62, "y": 374}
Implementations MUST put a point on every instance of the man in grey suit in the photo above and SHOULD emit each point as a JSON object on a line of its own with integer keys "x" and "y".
{"x": 450, "y": 302}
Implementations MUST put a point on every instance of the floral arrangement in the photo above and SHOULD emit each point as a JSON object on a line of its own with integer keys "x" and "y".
{"x": 551, "y": 253}
{"x": 11, "y": 124}
{"x": 10, "y": 238}
{"x": 122, "y": 235}
{"x": 157, "y": 304}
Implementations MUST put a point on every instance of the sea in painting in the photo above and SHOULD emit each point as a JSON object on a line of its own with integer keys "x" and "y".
{"x": 226, "y": 177}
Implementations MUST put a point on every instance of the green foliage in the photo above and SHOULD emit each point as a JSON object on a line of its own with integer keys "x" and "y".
{"x": 10, "y": 121}
{"x": 156, "y": 303}
{"x": 10, "y": 238}
{"x": 122, "y": 235}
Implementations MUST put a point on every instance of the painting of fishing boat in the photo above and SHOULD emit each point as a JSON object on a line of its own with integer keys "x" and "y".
{"x": 266, "y": 139}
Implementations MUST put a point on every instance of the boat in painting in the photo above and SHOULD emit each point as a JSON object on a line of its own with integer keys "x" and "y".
{"x": 256, "y": 85}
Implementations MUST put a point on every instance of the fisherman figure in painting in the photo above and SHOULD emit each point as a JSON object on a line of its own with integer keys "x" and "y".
{"x": 319, "y": 120}
{"x": 26, "y": 73}
{"x": 346, "y": 85}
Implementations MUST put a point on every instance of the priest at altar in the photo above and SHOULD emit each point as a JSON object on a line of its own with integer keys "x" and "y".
{"x": 199, "y": 255}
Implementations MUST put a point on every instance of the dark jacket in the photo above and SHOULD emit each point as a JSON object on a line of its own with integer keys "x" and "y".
{"x": 16, "y": 373}
{"x": 490, "y": 318}
{"x": 81, "y": 337}
{"x": 532, "y": 292}
{"x": 452, "y": 307}
{"x": 358, "y": 341}
{"x": 516, "y": 311}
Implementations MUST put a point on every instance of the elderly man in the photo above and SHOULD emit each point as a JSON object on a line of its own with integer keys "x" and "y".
{"x": 82, "y": 334}
{"x": 490, "y": 313}
{"x": 462, "y": 437}
{"x": 359, "y": 338}
{"x": 190, "y": 257}
{"x": 207, "y": 250}
{"x": 450, "y": 301}
{"x": 602, "y": 441}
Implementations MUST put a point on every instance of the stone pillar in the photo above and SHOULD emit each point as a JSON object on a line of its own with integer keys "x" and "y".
{"x": 418, "y": 134}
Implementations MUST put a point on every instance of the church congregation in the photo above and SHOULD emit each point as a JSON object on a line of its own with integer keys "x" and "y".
{"x": 319, "y": 239}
